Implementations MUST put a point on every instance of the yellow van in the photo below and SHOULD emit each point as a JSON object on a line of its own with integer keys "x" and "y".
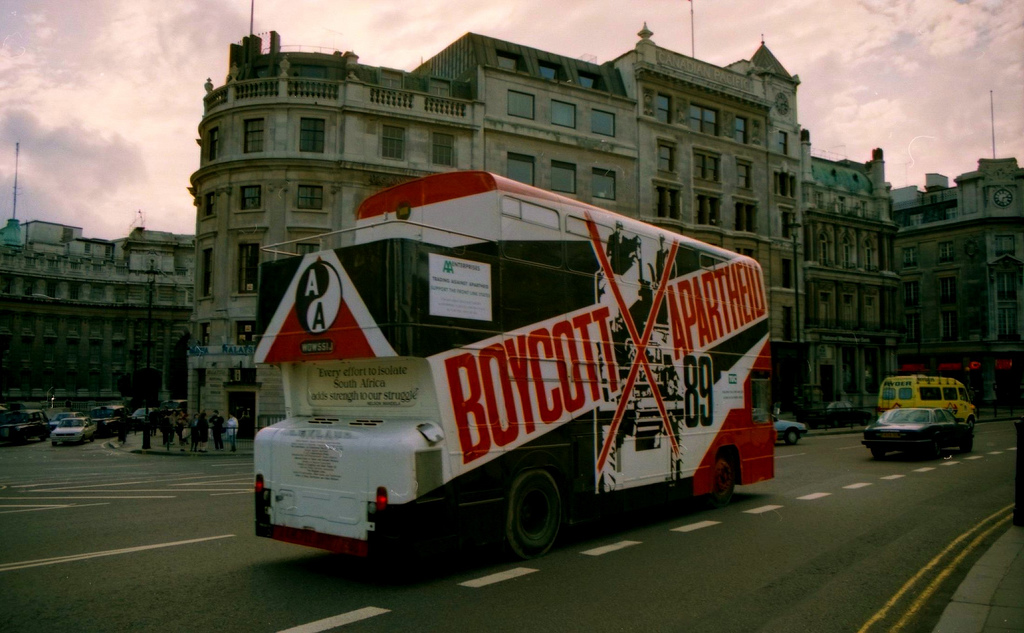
{"x": 928, "y": 391}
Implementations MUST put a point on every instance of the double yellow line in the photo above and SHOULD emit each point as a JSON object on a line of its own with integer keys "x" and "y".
{"x": 999, "y": 518}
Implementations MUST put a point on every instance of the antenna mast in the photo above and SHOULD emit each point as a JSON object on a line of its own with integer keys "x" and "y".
{"x": 992, "y": 114}
{"x": 16, "y": 151}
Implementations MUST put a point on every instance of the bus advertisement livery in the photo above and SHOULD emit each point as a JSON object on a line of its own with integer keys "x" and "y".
{"x": 480, "y": 361}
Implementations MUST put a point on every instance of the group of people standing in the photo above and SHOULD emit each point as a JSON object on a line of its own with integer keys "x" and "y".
{"x": 196, "y": 431}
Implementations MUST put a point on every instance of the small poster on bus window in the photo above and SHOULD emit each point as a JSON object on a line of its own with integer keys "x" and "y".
{"x": 459, "y": 288}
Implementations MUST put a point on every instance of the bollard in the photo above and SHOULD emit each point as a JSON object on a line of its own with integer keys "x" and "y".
{"x": 1018, "y": 498}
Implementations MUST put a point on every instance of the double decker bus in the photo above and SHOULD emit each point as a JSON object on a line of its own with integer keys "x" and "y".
{"x": 479, "y": 361}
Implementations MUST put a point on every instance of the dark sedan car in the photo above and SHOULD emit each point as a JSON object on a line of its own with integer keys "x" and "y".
{"x": 925, "y": 431}
{"x": 23, "y": 424}
{"x": 108, "y": 418}
{"x": 838, "y": 413}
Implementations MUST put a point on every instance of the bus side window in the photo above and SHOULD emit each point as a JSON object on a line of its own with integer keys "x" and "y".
{"x": 906, "y": 393}
{"x": 931, "y": 393}
{"x": 963, "y": 394}
{"x": 949, "y": 393}
{"x": 530, "y": 233}
{"x": 580, "y": 247}
{"x": 888, "y": 393}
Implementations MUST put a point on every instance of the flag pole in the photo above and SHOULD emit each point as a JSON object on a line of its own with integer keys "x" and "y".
{"x": 992, "y": 114}
{"x": 692, "y": 47}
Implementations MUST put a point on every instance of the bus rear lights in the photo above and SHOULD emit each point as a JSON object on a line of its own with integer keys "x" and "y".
{"x": 382, "y": 499}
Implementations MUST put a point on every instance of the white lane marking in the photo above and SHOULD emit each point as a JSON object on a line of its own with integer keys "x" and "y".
{"x": 856, "y": 486}
{"x": 761, "y": 510}
{"x": 233, "y": 480}
{"x": 498, "y": 577}
{"x": 597, "y": 551}
{"x": 975, "y": 457}
{"x": 112, "y": 552}
{"x": 88, "y": 498}
{"x": 146, "y": 490}
{"x": 60, "y": 507}
{"x": 995, "y": 452}
{"x": 338, "y": 620}
{"x": 1012, "y": 448}
{"x": 846, "y": 448}
{"x": 891, "y": 477}
{"x": 814, "y": 495}
{"x": 695, "y": 526}
{"x": 923, "y": 470}
{"x": 222, "y": 494}
{"x": 793, "y": 455}
{"x": 78, "y": 487}
{"x": 950, "y": 463}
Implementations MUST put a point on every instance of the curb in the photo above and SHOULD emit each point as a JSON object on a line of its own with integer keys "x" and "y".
{"x": 163, "y": 452}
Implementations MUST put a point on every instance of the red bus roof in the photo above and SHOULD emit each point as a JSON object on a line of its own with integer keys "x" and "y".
{"x": 447, "y": 186}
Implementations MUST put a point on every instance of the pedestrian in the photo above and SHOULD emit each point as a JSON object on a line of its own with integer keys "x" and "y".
{"x": 193, "y": 433}
{"x": 179, "y": 426}
{"x": 122, "y": 429}
{"x": 217, "y": 425}
{"x": 203, "y": 428}
{"x": 232, "y": 428}
{"x": 167, "y": 429}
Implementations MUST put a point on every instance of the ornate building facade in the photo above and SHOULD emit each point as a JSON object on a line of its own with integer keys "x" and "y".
{"x": 960, "y": 253}
{"x": 83, "y": 319}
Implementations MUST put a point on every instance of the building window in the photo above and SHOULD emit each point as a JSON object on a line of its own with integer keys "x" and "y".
{"x": 549, "y": 70}
{"x": 1004, "y": 245}
{"x": 945, "y": 252}
{"x": 563, "y": 177}
{"x": 909, "y": 256}
{"x": 520, "y": 167}
{"x": 668, "y": 202}
{"x": 947, "y": 290}
{"x": 311, "y": 197}
{"x": 392, "y": 142}
{"x": 745, "y": 217}
{"x": 440, "y": 88}
{"x": 785, "y": 184}
{"x": 391, "y": 79}
{"x": 787, "y": 323}
{"x": 787, "y": 273}
{"x": 73, "y": 292}
{"x": 563, "y": 114}
{"x": 206, "y": 270}
{"x": 743, "y": 175}
{"x": 204, "y": 333}
{"x": 663, "y": 108}
{"x": 209, "y": 204}
{"x": 847, "y": 253}
{"x": 869, "y": 257}
{"x": 248, "y": 267}
{"x": 1006, "y": 286}
{"x": 1006, "y": 321}
{"x": 602, "y": 123}
{"x": 587, "y": 80}
{"x": 949, "y": 326}
{"x": 666, "y": 157}
{"x": 508, "y": 61}
{"x": 245, "y": 332}
{"x": 911, "y": 293}
{"x": 704, "y": 120}
{"x": 705, "y": 166}
{"x": 251, "y": 197}
{"x": 603, "y": 184}
{"x": 783, "y": 142}
{"x": 212, "y": 143}
{"x": 787, "y": 224}
{"x": 913, "y": 324}
{"x": 707, "y": 210}
{"x": 442, "y": 149}
{"x": 739, "y": 133}
{"x": 311, "y": 135}
{"x": 520, "y": 104}
{"x": 253, "y": 135}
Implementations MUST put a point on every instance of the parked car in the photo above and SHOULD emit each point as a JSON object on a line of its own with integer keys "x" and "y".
{"x": 838, "y": 413}
{"x": 23, "y": 424}
{"x": 923, "y": 430}
{"x": 789, "y": 432}
{"x": 74, "y": 430}
{"x": 140, "y": 416}
{"x": 108, "y": 418}
{"x": 174, "y": 405}
{"x": 63, "y": 414}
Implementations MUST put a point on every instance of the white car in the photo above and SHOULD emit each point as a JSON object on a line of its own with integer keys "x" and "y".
{"x": 73, "y": 430}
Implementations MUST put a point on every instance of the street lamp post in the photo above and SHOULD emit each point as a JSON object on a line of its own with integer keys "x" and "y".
{"x": 793, "y": 228}
{"x": 152, "y": 272}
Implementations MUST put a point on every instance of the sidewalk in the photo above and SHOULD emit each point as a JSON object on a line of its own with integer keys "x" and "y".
{"x": 991, "y": 597}
{"x": 133, "y": 444}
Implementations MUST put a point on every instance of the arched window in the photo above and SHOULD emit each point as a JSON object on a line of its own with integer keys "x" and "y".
{"x": 869, "y": 256}
{"x": 823, "y": 249}
{"x": 848, "y": 261}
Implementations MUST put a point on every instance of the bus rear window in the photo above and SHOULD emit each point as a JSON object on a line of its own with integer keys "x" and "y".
{"x": 888, "y": 393}
{"x": 931, "y": 393}
{"x": 906, "y": 393}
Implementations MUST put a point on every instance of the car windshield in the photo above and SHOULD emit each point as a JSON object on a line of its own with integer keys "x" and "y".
{"x": 72, "y": 422}
{"x": 906, "y": 416}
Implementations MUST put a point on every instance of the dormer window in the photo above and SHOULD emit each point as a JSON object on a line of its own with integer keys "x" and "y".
{"x": 508, "y": 61}
{"x": 391, "y": 79}
{"x": 588, "y": 80}
{"x": 550, "y": 71}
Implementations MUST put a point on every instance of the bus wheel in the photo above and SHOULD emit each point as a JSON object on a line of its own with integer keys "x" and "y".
{"x": 724, "y": 482}
{"x": 534, "y": 513}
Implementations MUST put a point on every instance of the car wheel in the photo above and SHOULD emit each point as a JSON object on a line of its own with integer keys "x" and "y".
{"x": 967, "y": 445}
{"x": 878, "y": 453}
{"x": 534, "y": 513}
{"x": 934, "y": 450}
{"x": 791, "y": 436}
{"x": 724, "y": 482}
{"x": 970, "y": 422}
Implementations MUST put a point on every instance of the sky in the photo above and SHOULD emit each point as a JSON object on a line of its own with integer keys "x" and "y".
{"x": 105, "y": 96}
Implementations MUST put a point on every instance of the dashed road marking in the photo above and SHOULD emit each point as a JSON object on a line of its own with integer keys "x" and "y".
{"x": 498, "y": 577}
{"x": 890, "y": 477}
{"x": 793, "y": 455}
{"x": 127, "y": 550}
{"x": 995, "y": 452}
{"x": 856, "y": 486}
{"x": 338, "y": 620}
{"x": 695, "y": 526}
{"x": 40, "y": 508}
{"x": 814, "y": 495}
{"x": 950, "y": 463}
{"x": 597, "y": 551}
{"x": 975, "y": 457}
{"x": 1012, "y": 448}
{"x": 923, "y": 470}
{"x": 761, "y": 510}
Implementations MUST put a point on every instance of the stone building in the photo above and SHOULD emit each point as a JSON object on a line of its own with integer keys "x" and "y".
{"x": 960, "y": 253}
{"x": 78, "y": 314}
{"x": 293, "y": 142}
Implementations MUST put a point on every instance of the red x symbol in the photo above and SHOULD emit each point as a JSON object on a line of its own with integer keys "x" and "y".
{"x": 638, "y": 341}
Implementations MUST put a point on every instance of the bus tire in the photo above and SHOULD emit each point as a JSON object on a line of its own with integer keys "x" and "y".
{"x": 534, "y": 513}
{"x": 723, "y": 481}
